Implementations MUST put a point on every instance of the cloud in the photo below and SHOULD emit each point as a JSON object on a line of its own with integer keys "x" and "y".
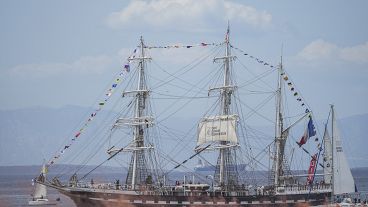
{"x": 247, "y": 14}
{"x": 84, "y": 65}
{"x": 318, "y": 49}
{"x": 323, "y": 50}
{"x": 357, "y": 53}
{"x": 191, "y": 14}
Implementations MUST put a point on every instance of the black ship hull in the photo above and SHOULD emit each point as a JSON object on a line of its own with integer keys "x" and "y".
{"x": 113, "y": 198}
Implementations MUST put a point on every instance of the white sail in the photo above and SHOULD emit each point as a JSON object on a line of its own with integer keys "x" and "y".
{"x": 343, "y": 179}
{"x": 40, "y": 190}
{"x": 218, "y": 128}
{"x": 327, "y": 157}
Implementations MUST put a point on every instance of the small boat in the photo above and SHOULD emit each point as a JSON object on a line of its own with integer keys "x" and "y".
{"x": 39, "y": 197}
{"x": 346, "y": 202}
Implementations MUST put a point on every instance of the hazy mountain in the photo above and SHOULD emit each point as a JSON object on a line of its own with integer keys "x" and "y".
{"x": 30, "y": 135}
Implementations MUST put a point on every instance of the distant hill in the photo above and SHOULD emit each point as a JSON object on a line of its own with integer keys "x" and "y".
{"x": 30, "y": 135}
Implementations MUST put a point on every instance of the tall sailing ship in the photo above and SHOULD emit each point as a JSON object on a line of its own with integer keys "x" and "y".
{"x": 220, "y": 140}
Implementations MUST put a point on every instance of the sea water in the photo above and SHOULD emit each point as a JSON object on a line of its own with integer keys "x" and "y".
{"x": 16, "y": 190}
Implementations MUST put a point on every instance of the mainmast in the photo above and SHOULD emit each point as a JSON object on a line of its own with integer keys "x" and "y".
{"x": 226, "y": 94}
{"x": 226, "y": 166}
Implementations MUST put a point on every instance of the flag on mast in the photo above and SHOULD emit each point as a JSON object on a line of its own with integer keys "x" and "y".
{"x": 227, "y": 33}
{"x": 310, "y": 131}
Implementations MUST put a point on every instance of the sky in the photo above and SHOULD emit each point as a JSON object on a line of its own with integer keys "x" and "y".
{"x": 57, "y": 53}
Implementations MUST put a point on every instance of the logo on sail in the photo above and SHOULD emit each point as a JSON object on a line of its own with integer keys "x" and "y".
{"x": 215, "y": 131}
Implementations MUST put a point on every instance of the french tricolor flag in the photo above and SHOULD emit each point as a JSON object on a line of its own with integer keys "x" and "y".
{"x": 310, "y": 131}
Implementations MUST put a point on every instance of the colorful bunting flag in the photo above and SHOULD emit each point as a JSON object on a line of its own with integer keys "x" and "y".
{"x": 283, "y": 74}
{"x": 127, "y": 67}
{"x": 101, "y": 104}
{"x": 182, "y": 46}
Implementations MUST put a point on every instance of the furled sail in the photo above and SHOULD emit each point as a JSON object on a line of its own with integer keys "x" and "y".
{"x": 218, "y": 128}
{"x": 343, "y": 179}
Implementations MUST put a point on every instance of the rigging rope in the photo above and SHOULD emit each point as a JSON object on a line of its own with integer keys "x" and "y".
{"x": 102, "y": 163}
{"x": 102, "y": 103}
{"x": 194, "y": 155}
{"x": 171, "y": 78}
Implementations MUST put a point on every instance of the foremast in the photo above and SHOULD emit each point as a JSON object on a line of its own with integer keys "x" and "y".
{"x": 139, "y": 172}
